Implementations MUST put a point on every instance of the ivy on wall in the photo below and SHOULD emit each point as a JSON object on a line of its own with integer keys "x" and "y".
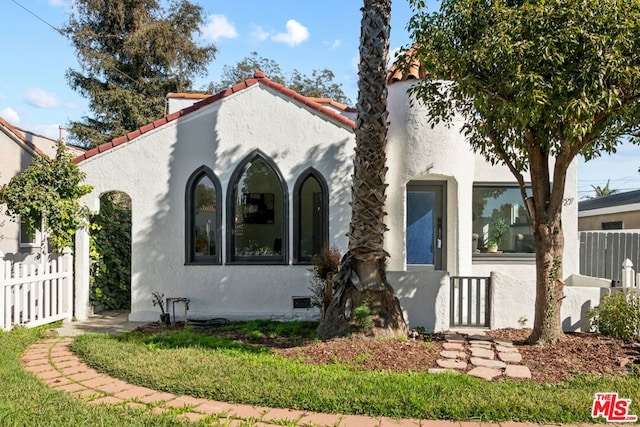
{"x": 111, "y": 252}
{"x": 45, "y": 196}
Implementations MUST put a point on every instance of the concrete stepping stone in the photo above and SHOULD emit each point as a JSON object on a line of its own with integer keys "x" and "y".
{"x": 453, "y": 354}
{"x": 503, "y": 343}
{"x": 482, "y": 344}
{"x": 482, "y": 352}
{"x": 454, "y": 338}
{"x": 510, "y": 357}
{"x": 479, "y": 337}
{"x": 453, "y": 346}
{"x": 452, "y": 364}
{"x": 485, "y": 373}
{"x": 506, "y": 349}
{"x": 517, "y": 371}
{"x": 478, "y": 361}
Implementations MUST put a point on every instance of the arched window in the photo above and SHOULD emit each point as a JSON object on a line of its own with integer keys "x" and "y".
{"x": 311, "y": 228}
{"x": 257, "y": 213}
{"x": 203, "y": 218}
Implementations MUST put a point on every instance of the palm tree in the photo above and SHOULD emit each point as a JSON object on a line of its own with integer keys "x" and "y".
{"x": 363, "y": 300}
{"x": 603, "y": 191}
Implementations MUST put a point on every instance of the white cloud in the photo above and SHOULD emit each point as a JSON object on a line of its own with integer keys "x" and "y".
{"x": 50, "y": 131}
{"x": 258, "y": 34}
{"x": 219, "y": 27}
{"x": 40, "y": 98}
{"x": 10, "y": 115}
{"x": 296, "y": 33}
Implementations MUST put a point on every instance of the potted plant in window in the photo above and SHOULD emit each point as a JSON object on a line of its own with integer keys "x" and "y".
{"x": 158, "y": 299}
{"x": 492, "y": 246}
{"x": 498, "y": 229}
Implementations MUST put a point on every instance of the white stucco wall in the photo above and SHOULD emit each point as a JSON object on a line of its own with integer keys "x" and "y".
{"x": 416, "y": 152}
{"x": 13, "y": 159}
{"x": 153, "y": 170}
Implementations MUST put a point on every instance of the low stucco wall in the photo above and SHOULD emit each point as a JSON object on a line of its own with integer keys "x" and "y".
{"x": 424, "y": 297}
{"x": 513, "y": 303}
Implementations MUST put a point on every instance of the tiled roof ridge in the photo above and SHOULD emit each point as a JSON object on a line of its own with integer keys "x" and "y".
{"x": 333, "y": 103}
{"x": 17, "y": 132}
{"x": 188, "y": 95}
{"x": 258, "y": 77}
{"x": 406, "y": 67}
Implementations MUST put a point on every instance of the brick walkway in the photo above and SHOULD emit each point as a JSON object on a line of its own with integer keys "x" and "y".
{"x": 56, "y": 365}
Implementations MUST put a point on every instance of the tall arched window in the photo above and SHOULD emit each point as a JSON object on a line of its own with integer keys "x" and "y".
{"x": 203, "y": 218}
{"x": 257, "y": 216}
{"x": 311, "y": 228}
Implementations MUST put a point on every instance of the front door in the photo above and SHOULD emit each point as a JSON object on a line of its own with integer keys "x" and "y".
{"x": 425, "y": 237}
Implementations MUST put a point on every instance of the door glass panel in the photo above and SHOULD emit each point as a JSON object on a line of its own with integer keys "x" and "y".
{"x": 421, "y": 214}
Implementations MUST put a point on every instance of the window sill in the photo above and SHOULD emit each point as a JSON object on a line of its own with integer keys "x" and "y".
{"x": 503, "y": 258}
{"x": 203, "y": 262}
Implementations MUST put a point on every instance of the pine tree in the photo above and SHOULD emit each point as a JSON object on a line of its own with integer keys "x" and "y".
{"x": 131, "y": 54}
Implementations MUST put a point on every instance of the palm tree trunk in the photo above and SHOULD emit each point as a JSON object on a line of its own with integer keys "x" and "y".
{"x": 363, "y": 300}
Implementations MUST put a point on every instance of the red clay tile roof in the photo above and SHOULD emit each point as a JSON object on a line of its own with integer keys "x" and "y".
{"x": 258, "y": 78}
{"x": 184, "y": 95}
{"x": 20, "y": 135}
{"x": 336, "y": 104}
{"x": 415, "y": 72}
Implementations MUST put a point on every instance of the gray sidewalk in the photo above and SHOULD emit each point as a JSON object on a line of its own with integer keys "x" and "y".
{"x": 108, "y": 322}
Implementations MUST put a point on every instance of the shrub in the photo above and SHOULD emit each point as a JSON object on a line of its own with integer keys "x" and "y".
{"x": 618, "y": 316}
{"x": 325, "y": 266}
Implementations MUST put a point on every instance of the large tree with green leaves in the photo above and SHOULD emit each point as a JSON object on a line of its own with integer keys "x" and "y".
{"x": 45, "y": 196}
{"x": 320, "y": 84}
{"x": 131, "y": 54}
{"x": 363, "y": 300}
{"x": 539, "y": 83}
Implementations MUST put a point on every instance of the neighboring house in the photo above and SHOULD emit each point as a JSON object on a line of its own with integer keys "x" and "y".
{"x": 18, "y": 148}
{"x": 234, "y": 194}
{"x": 618, "y": 211}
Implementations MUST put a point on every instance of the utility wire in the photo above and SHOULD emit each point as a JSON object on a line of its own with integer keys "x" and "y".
{"x": 59, "y": 31}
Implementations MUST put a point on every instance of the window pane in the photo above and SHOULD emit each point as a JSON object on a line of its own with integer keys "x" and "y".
{"x": 205, "y": 224}
{"x": 311, "y": 221}
{"x": 258, "y": 213}
{"x": 28, "y": 235}
{"x": 420, "y": 215}
{"x": 499, "y": 216}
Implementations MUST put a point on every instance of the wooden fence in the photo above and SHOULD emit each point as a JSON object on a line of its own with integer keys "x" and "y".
{"x": 470, "y": 301}
{"x": 602, "y": 254}
{"x": 34, "y": 294}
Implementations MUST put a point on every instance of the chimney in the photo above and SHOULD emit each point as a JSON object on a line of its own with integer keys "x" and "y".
{"x": 63, "y": 135}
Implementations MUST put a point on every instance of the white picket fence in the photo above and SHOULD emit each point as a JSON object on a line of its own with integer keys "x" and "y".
{"x": 630, "y": 280}
{"x": 34, "y": 294}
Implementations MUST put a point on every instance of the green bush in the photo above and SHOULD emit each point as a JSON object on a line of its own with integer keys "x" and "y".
{"x": 111, "y": 252}
{"x": 618, "y": 316}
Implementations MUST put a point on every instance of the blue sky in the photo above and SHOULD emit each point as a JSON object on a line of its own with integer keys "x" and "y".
{"x": 298, "y": 34}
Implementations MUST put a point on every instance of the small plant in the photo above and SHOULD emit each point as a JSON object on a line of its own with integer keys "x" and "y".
{"x": 325, "y": 266}
{"x": 618, "y": 316}
{"x": 498, "y": 229}
{"x": 362, "y": 315}
{"x": 158, "y": 300}
{"x": 522, "y": 321}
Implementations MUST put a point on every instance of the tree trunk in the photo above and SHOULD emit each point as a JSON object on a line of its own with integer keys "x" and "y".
{"x": 547, "y": 326}
{"x": 363, "y": 300}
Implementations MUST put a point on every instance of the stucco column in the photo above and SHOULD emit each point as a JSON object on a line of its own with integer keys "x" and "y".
{"x": 81, "y": 285}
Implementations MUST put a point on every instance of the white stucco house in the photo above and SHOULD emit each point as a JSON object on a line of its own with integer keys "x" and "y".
{"x": 18, "y": 148}
{"x": 232, "y": 195}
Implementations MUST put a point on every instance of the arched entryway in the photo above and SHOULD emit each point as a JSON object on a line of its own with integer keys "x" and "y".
{"x": 110, "y": 286}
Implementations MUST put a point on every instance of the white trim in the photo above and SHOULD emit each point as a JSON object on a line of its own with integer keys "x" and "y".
{"x": 610, "y": 210}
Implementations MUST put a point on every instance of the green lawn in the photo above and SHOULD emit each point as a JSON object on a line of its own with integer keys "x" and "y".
{"x": 184, "y": 362}
{"x": 26, "y": 401}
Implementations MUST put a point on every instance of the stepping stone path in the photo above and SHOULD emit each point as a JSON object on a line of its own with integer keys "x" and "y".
{"x": 483, "y": 356}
